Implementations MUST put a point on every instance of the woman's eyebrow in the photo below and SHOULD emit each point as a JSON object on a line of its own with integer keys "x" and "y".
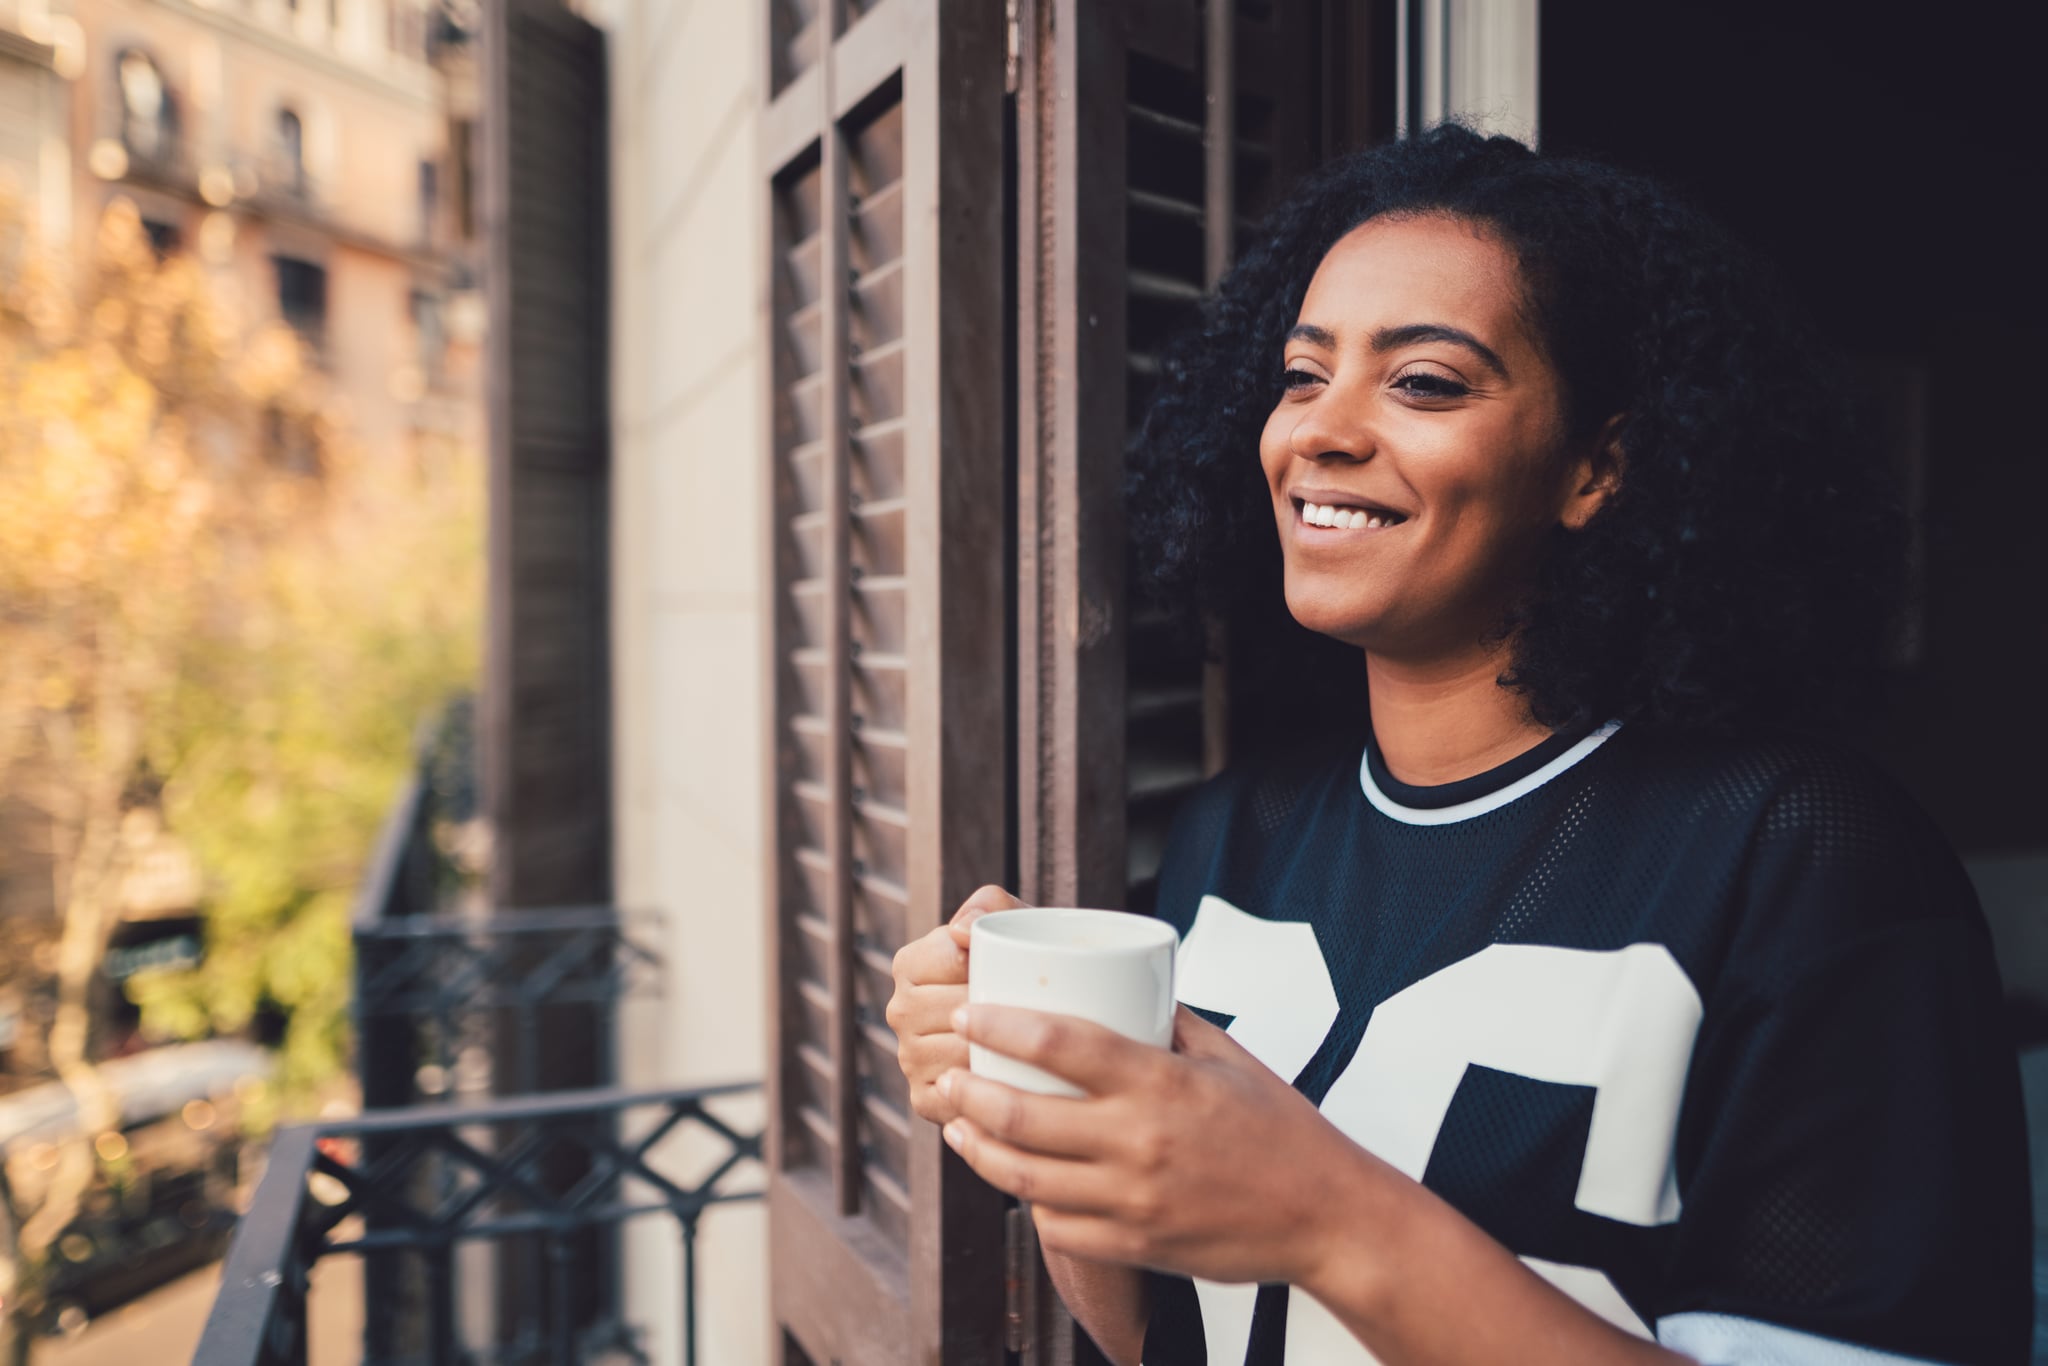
{"x": 1313, "y": 335}
{"x": 1393, "y": 338}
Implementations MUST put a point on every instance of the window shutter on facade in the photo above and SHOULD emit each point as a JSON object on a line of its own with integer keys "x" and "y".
{"x": 1151, "y": 136}
{"x": 1223, "y": 109}
{"x": 547, "y": 688}
{"x": 883, "y": 162}
{"x": 545, "y": 748}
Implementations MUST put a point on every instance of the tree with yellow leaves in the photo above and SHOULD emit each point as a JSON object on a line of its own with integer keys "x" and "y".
{"x": 240, "y": 645}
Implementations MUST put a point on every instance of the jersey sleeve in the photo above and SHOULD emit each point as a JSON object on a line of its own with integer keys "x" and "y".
{"x": 1851, "y": 1153}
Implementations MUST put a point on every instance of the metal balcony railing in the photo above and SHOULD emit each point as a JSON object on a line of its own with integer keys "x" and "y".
{"x": 452, "y": 1006}
{"x": 495, "y": 1154}
{"x": 461, "y": 982}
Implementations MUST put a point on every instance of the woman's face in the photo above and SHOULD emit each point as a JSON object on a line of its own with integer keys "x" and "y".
{"x": 1416, "y": 459}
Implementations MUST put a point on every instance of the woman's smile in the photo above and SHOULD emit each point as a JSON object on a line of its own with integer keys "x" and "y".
{"x": 1320, "y": 510}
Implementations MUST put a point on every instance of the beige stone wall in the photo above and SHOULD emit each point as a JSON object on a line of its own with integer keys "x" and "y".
{"x": 688, "y": 595}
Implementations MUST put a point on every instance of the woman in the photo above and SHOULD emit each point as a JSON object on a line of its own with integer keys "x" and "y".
{"x": 1582, "y": 1014}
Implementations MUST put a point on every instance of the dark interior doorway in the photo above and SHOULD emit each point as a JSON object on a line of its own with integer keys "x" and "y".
{"x": 1885, "y": 162}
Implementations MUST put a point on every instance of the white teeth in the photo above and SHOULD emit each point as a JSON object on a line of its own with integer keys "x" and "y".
{"x": 1344, "y": 519}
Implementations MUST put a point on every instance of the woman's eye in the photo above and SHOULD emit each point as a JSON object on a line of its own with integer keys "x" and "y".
{"x": 1425, "y": 384}
{"x": 1295, "y": 380}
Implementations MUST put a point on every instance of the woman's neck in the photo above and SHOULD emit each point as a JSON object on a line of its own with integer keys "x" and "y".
{"x": 1439, "y": 721}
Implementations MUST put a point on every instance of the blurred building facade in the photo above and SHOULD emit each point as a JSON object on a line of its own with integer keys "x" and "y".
{"x": 37, "y": 49}
{"x": 318, "y": 154}
{"x": 319, "y": 158}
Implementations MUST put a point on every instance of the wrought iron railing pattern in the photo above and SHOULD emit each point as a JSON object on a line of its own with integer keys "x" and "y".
{"x": 465, "y": 1019}
{"x": 495, "y": 1154}
{"x": 458, "y": 977}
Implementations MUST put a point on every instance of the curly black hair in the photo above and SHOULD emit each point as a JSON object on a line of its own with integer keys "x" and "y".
{"x": 1744, "y": 570}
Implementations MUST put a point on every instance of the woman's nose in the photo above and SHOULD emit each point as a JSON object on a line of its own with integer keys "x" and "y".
{"x": 1333, "y": 428}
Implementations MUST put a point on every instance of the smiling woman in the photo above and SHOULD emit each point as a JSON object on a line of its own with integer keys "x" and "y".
{"x": 1584, "y": 1008}
{"x": 1423, "y": 405}
{"x": 1550, "y": 320}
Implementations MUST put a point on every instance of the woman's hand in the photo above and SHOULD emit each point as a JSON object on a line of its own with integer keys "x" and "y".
{"x": 1202, "y": 1162}
{"x": 1199, "y": 1161}
{"x": 931, "y": 983}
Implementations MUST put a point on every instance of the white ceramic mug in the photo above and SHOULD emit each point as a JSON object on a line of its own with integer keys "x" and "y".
{"x": 1111, "y": 967}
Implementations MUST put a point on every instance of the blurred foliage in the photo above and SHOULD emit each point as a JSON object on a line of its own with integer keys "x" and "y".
{"x": 211, "y": 606}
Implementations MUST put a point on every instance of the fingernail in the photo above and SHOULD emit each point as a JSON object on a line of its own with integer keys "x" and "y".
{"x": 960, "y": 1020}
{"x": 946, "y": 1085}
{"x": 953, "y": 1135}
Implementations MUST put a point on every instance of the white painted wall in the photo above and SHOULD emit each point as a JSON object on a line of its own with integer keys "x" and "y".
{"x": 688, "y": 598}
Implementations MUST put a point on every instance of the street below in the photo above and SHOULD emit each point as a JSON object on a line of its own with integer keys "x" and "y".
{"x": 162, "y": 1328}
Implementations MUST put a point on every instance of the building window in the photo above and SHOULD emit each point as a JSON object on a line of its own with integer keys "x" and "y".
{"x": 406, "y": 29}
{"x": 164, "y": 238}
{"x": 291, "y": 151}
{"x": 430, "y": 326}
{"x": 302, "y": 296}
{"x": 291, "y": 441}
{"x": 430, "y": 200}
{"x": 148, "y": 119}
{"x": 464, "y": 153}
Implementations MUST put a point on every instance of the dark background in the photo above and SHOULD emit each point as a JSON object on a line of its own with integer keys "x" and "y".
{"x": 1889, "y": 164}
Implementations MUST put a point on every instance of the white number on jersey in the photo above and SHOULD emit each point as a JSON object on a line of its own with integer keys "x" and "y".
{"x": 1621, "y": 1021}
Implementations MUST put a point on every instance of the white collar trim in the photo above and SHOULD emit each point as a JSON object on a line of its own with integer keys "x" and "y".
{"x": 1492, "y": 801}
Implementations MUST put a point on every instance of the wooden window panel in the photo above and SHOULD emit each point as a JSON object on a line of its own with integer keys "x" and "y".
{"x": 546, "y": 741}
{"x": 1071, "y": 217}
{"x": 883, "y": 162}
{"x": 1223, "y": 111}
{"x": 1151, "y": 135}
{"x": 547, "y": 682}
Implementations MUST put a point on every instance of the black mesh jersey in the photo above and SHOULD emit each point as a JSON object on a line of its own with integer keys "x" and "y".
{"x": 1707, "y": 1032}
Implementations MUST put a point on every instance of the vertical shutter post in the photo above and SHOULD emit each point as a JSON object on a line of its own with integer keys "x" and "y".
{"x": 1071, "y": 419}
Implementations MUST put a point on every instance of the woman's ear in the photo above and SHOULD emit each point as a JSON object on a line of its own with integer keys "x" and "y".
{"x": 1595, "y": 475}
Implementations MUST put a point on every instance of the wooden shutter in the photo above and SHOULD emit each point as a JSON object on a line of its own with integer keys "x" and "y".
{"x": 546, "y": 747}
{"x": 1222, "y": 110}
{"x": 883, "y": 152}
{"x": 546, "y": 743}
{"x": 1151, "y": 135}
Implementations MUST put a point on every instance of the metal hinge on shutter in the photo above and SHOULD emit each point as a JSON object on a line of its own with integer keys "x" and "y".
{"x": 1017, "y": 1278}
{"x": 1010, "y": 55}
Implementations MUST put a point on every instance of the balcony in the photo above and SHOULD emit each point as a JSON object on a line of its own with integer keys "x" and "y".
{"x": 484, "y": 1197}
{"x": 421, "y": 1182}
